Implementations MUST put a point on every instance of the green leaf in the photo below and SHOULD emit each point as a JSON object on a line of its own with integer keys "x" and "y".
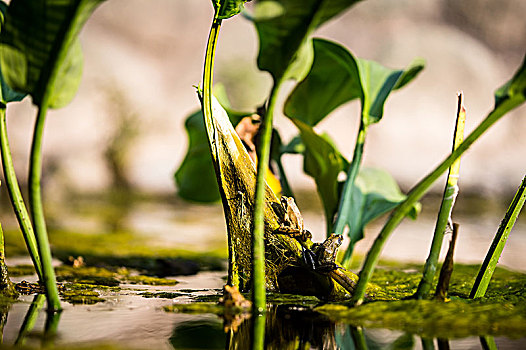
{"x": 228, "y": 8}
{"x": 195, "y": 178}
{"x": 323, "y": 162}
{"x": 515, "y": 88}
{"x": 284, "y": 28}
{"x": 39, "y": 49}
{"x": 6, "y": 93}
{"x": 375, "y": 192}
{"x": 337, "y": 77}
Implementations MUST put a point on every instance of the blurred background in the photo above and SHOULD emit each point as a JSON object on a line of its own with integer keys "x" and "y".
{"x": 125, "y": 128}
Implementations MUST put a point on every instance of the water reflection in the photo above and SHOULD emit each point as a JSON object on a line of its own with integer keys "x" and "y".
{"x": 296, "y": 327}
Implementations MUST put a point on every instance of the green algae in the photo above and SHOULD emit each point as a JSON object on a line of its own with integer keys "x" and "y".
{"x": 151, "y": 281}
{"x": 100, "y": 276}
{"x": 124, "y": 249}
{"x": 501, "y": 312}
{"x": 21, "y": 270}
{"x": 196, "y": 308}
{"x": 162, "y": 295}
{"x": 81, "y": 296}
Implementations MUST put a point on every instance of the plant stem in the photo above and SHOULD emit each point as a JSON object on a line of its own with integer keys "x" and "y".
{"x": 30, "y": 319}
{"x": 258, "y": 331}
{"x": 447, "y": 268}
{"x": 345, "y": 199}
{"x": 420, "y": 189}
{"x": 37, "y": 210}
{"x": 444, "y": 214}
{"x": 17, "y": 201}
{"x": 499, "y": 241}
{"x": 258, "y": 242}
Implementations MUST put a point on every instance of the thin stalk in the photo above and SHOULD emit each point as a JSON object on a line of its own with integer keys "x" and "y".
{"x": 37, "y": 210}
{"x": 447, "y": 268}
{"x": 419, "y": 190}
{"x": 258, "y": 243}
{"x": 258, "y": 331}
{"x": 499, "y": 241}
{"x": 358, "y": 338}
{"x": 30, "y": 319}
{"x": 345, "y": 200}
{"x": 444, "y": 214}
{"x": 428, "y": 343}
{"x": 46, "y": 84}
{"x": 488, "y": 343}
{"x": 17, "y": 201}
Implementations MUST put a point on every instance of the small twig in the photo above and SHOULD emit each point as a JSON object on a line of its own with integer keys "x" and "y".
{"x": 447, "y": 268}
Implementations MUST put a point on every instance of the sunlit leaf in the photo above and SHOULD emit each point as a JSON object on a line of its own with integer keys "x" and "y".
{"x": 195, "y": 178}
{"x": 284, "y": 27}
{"x": 375, "y": 193}
{"x": 31, "y": 42}
{"x": 337, "y": 77}
{"x": 6, "y": 93}
{"x": 323, "y": 162}
{"x": 228, "y": 8}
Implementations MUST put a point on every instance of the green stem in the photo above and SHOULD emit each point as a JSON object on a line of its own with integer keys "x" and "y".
{"x": 420, "y": 189}
{"x": 499, "y": 241}
{"x": 488, "y": 343}
{"x": 258, "y": 243}
{"x": 444, "y": 214}
{"x": 258, "y": 331}
{"x": 345, "y": 199}
{"x": 17, "y": 201}
{"x": 30, "y": 319}
{"x": 37, "y": 210}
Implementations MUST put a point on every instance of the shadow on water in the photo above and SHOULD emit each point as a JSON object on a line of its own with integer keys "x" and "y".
{"x": 296, "y": 327}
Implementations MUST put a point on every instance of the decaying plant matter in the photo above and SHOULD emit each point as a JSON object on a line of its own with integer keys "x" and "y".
{"x": 286, "y": 261}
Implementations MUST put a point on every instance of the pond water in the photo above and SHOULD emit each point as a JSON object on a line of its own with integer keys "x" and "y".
{"x": 130, "y": 321}
{"x": 133, "y": 321}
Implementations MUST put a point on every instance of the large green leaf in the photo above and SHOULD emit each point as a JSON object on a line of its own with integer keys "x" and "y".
{"x": 228, "y": 8}
{"x": 337, "y": 77}
{"x": 39, "y": 47}
{"x": 284, "y": 27}
{"x": 6, "y": 93}
{"x": 195, "y": 178}
{"x": 375, "y": 192}
{"x": 323, "y": 162}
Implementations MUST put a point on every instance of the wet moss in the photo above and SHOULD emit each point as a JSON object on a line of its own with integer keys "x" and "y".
{"x": 87, "y": 275}
{"x": 21, "y": 270}
{"x": 124, "y": 249}
{"x": 501, "y": 312}
{"x": 152, "y": 281}
{"x": 162, "y": 295}
{"x": 81, "y": 296}
{"x": 196, "y": 308}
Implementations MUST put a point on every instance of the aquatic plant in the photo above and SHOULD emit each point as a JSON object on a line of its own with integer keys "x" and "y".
{"x": 41, "y": 57}
{"x": 499, "y": 241}
{"x": 448, "y": 200}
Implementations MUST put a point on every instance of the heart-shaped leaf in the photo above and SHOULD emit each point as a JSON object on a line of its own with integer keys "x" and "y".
{"x": 284, "y": 27}
{"x": 195, "y": 178}
{"x": 228, "y": 8}
{"x": 39, "y": 48}
{"x": 337, "y": 77}
{"x": 323, "y": 162}
{"x": 375, "y": 192}
{"x": 6, "y": 93}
